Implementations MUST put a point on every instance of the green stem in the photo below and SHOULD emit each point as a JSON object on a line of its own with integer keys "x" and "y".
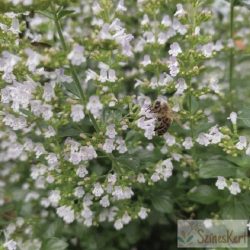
{"x": 78, "y": 84}
{"x": 191, "y": 114}
{"x": 231, "y": 56}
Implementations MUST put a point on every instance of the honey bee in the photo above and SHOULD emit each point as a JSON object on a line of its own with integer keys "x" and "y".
{"x": 164, "y": 116}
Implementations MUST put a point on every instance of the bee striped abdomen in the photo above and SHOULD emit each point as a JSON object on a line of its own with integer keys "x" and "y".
{"x": 163, "y": 117}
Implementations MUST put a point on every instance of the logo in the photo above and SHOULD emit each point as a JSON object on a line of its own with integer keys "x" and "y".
{"x": 212, "y": 233}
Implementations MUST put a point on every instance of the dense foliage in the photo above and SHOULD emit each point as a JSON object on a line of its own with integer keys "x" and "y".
{"x": 82, "y": 164}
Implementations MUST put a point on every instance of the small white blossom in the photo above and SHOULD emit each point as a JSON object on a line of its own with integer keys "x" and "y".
{"x": 175, "y": 49}
{"x": 143, "y": 213}
{"x": 76, "y": 55}
{"x": 203, "y": 139}
{"x": 66, "y": 213}
{"x": 118, "y": 225}
{"x": 79, "y": 192}
{"x": 105, "y": 201}
{"x": 110, "y": 131}
{"x": 98, "y": 190}
{"x": 77, "y": 113}
{"x": 95, "y": 106}
{"x": 234, "y": 188}
{"x": 82, "y": 171}
{"x": 242, "y": 143}
{"x": 108, "y": 145}
{"x": 221, "y": 183}
{"x": 10, "y": 245}
{"x": 233, "y": 118}
{"x": 188, "y": 143}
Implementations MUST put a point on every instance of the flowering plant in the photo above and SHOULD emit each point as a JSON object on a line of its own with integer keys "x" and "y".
{"x": 82, "y": 160}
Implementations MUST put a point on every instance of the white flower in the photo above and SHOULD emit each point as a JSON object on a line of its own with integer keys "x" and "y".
{"x": 95, "y": 106}
{"x": 146, "y": 60}
{"x": 221, "y": 182}
{"x": 126, "y": 218}
{"x": 155, "y": 177}
{"x": 147, "y": 125}
{"x": 110, "y": 131}
{"x": 118, "y": 224}
{"x": 108, "y": 145}
{"x": 50, "y": 132}
{"x": 170, "y": 140}
{"x": 66, "y": 213}
{"x": 173, "y": 66}
{"x": 233, "y": 117}
{"x": 48, "y": 92}
{"x": 120, "y": 6}
{"x": 82, "y": 171}
{"x": 234, "y": 188}
{"x": 52, "y": 159}
{"x": 188, "y": 143}
{"x": 143, "y": 213}
{"x": 145, "y": 20}
{"x": 122, "y": 148}
{"x": 10, "y": 245}
{"x": 207, "y": 49}
{"x": 76, "y": 55}
{"x": 96, "y": 8}
{"x": 166, "y": 21}
{"x": 112, "y": 75}
{"x": 175, "y": 49}
{"x": 75, "y": 157}
{"x": 79, "y": 192}
{"x": 203, "y": 139}
{"x": 98, "y": 190}
{"x": 54, "y": 197}
{"x": 180, "y": 12}
{"x": 215, "y": 135}
{"x": 181, "y": 86}
{"x": 242, "y": 143}
{"x": 105, "y": 201}
{"x": 33, "y": 60}
{"x": 46, "y": 112}
{"x": 141, "y": 178}
{"x": 87, "y": 153}
{"x": 77, "y": 113}
{"x": 208, "y": 223}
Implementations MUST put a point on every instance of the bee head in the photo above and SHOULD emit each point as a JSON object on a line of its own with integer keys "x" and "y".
{"x": 157, "y": 104}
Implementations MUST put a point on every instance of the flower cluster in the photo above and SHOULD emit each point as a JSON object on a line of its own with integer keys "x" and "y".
{"x": 78, "y": 140}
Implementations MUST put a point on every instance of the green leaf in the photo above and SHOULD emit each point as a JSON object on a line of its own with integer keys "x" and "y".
{"x": 162, "y": 203}
{"x": 55, "y": 244}
{"x": 71, "y": 87}
{"x": 203, "y": 194}
{"x": 214, "y": 168}
{"x": 194, "y": 104}
{"x": 236, "y": 210}
{"x": 46, "y": 13}
{"x": 244, "y": 116}
{"x": 68, "y": 130}
{"x": 64, "y": 13}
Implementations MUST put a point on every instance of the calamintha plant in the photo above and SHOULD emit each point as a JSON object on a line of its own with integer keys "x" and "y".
{"x": 88, "y": 155}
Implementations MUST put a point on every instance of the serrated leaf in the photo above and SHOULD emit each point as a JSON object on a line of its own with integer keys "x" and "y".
{"x": 55, "y": 244}
{"x": 203, "y": 194}
{"x": 214, "y": 168}
{"x": 162, "y": 203}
